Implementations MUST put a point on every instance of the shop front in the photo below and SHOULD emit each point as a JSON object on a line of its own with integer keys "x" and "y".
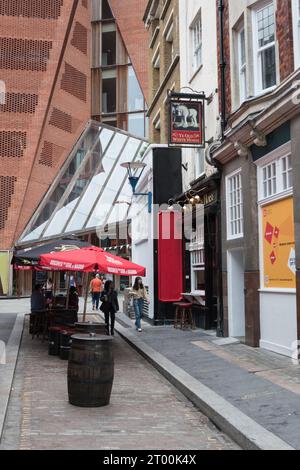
{"x": 202, "y": 253}
{"x": 260, "y": 224}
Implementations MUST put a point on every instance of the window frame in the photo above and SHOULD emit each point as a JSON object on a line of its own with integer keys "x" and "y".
{"x": 197, "y": 247}
{"x": 199, "y": 152}
{"x": 196, "y": 48}
{"x": 229, "y": 220}
{"x": 257, "y": 51}
{"x": 276, "y": 157}
{"x": 296, "y": 31}
{"x": 242, "y": 68}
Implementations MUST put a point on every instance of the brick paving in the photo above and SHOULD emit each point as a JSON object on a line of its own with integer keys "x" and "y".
{"x": 146, "y": 412}
{"x": 263, "y": 385}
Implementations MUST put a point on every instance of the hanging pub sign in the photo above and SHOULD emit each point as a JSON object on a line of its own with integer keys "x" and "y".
{"x": 186, "y": 119}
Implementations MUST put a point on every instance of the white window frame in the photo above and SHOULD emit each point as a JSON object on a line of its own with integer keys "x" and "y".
{"x": 199, "y": 168}
{"x": 229, "y": 219}
{"x": 196, "y": 28}
{"x": 242, "y": 67}
{"x": 257, "y": 50}
{"x": 197, "y": 249}
{"x": 274, "y": 158}
{"x": 296, "y": 31}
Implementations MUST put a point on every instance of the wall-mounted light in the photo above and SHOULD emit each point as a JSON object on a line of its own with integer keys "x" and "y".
{"x": 135, "y": 171}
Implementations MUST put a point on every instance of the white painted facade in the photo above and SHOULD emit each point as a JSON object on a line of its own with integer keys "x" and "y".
{"x": 278, "y": 307}
{"x": 203, "y": 77}
{"x": 142, "y": 230}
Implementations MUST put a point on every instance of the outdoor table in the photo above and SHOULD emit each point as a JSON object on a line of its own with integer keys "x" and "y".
{"x": 197, "y": 298}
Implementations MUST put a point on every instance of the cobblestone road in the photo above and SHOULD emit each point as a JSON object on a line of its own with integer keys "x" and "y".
{"x": 146, "y": 412}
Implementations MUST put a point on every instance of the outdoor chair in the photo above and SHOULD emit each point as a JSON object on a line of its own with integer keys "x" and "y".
{"x": 184, "y": 316}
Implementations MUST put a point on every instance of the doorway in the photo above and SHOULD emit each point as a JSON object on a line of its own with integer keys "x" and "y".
{"x": 236, "y": 294}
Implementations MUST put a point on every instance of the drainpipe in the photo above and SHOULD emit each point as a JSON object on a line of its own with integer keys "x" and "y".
{"x": 222, "y": 66}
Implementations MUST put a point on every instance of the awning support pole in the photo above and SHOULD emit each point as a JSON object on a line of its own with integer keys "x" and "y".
{"x": 86, "y": 296}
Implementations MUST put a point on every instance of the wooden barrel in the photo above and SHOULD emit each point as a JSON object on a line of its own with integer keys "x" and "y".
{"x": 90, "y": 327}
{"x": 65, "y": 343}
{"x": 54, "y": 340}
{"x": 90, "y": 370}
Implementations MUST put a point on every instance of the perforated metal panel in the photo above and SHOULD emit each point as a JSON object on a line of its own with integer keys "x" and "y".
{"x": 12, "y": 143}
{"x": 46, "y": 9}
{"x": 7, "y": 188}
{"x": 74, "y": 82}
{"x": 24, "y": 54}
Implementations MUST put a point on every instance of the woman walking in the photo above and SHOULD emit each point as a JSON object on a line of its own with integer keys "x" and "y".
{"x": 110, "y": 306}
{"x": 140, "y": 296}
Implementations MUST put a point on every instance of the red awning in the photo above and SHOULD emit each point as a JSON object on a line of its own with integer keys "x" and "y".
{"x": 91, "y": 259}
{"x": 170, "y": 263}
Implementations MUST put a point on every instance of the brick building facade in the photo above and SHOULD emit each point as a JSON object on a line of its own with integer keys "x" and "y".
{"x": 259, "y": 157}
{"x": 162, "y": 22}
{"x": 45, "y": 68}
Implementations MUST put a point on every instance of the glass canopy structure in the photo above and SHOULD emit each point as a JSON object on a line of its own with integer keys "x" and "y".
{"x": 92, "y": 190}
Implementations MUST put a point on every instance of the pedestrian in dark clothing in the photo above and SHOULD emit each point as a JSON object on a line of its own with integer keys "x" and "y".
{"x": 110, "y": 305}
{"x": 74, "y": 302}
{"x": 37, "y": 299}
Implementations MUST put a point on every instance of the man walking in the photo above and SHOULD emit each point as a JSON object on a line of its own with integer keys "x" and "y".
{"x": 96, "y": 286}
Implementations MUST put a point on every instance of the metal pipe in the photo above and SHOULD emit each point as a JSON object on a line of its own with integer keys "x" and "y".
{"x": 222, "y": 67}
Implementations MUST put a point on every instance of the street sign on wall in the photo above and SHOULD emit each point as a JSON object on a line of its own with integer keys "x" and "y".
{"x": 186, "y": 120}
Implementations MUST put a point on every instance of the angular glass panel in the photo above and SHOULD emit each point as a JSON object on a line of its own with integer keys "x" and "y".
{"x": 93, "y": 172}
{"x": 97, "y": 183}
{"x": 135, "y": 95}
{"x": 34, "y": 235}
{"x": 74, "y": 164}
{"x": 136, "y": 124}
{"x": 59, "y": 220}
{"x": 111, "y": 189}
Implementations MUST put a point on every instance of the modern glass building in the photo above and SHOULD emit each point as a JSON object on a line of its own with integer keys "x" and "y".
{"x": 91, "y": 191}
{"x": 118, "y": 97}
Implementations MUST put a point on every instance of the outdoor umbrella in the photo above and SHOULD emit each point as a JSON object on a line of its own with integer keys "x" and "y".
{"x": 31, "y": 256}
{"x": 91, "y": 259}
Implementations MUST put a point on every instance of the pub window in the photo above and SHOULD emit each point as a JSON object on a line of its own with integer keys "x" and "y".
{"x": 296, "y": 21}
{"x": 276, "y": 176}
{"x": 242, "y": 64}
{"x": 196, "y": 31}
{"x": 198, "y": 261}
{"x": 235, "y": 222}
{"x": 264, "y": 47}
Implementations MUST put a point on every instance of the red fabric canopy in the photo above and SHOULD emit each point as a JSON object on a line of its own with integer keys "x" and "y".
{"x": 91, "y": 259}
{"x": 170, "y": 262}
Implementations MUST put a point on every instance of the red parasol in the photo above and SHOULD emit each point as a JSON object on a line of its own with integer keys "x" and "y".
{"x": 91, "y": 259}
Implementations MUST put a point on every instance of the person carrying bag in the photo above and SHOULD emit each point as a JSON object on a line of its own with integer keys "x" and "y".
{"x": 110, "y": 306}
{"x": 140, "y": 296}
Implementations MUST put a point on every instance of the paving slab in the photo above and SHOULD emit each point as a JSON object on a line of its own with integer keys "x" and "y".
{"x": 146, "y": 411}
{"x": 272, "y": 406}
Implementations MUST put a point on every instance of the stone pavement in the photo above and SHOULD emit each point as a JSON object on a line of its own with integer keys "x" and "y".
{"x": 263, "y": 385}
{"x": 146, "y": 411}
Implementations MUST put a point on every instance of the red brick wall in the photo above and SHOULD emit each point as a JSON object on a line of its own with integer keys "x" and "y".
{"x": 227, "y": 56}
{"x": 40, "y": 121}
{"x": 129, "y": 18}
{"x": 284, "y": 27}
